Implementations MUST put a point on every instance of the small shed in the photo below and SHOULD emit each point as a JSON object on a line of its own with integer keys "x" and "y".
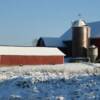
{"x": 10, "y": 55}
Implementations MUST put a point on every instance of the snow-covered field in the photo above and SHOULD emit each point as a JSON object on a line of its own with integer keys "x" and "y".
{"x": 70, "y": 81}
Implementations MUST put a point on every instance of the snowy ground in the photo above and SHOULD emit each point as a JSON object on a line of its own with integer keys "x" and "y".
{"x": 71, "y": 81}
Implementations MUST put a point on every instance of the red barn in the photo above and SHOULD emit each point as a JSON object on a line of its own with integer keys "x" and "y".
{"x": 64, "y": 42}
{"x": 30, "y": 55}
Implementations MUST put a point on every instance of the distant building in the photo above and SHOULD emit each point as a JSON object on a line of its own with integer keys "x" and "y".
{"x": 30, "y": 55}
{"x": 64, "y": 43}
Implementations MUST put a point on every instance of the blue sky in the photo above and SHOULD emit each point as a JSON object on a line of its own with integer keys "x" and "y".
{"x": 21, "y": 21}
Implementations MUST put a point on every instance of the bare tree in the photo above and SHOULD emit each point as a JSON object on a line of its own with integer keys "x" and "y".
{"x": 34, "y": 42}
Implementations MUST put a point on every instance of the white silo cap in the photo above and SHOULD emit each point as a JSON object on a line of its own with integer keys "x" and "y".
{"x": 78, "y": 23}
{"x": 92, "y": 46}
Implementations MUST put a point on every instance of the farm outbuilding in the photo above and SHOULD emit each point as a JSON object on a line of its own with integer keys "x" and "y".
{"x": 30, "y": 55}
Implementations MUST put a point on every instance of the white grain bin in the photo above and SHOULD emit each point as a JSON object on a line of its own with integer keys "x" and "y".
{"x": 93, "y": 53}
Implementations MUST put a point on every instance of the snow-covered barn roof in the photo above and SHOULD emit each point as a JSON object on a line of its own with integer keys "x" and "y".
{"x": 59, "y": 42}
{"x": 37, "y": 51}
{"x": 95, "y": 31}
{"x": 53, "y": 42}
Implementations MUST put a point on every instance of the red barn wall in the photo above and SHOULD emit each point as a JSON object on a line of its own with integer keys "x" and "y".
{"x": 30, "y": 60}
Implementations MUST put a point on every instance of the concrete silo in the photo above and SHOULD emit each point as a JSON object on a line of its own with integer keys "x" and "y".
{"x": 80, "y": 38}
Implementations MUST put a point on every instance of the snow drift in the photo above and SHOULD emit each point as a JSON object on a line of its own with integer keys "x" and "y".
{"x": 72, "y": 81}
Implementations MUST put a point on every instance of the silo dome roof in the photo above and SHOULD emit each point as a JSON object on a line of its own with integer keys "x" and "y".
{"x": 92, "y": 46}
{"x": 78, "y": 23}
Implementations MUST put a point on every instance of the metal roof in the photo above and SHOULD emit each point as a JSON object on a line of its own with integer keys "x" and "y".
{"x": 78, "y": 23}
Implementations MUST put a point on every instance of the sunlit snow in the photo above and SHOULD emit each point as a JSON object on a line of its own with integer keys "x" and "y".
{"x": 70, "y": 81}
